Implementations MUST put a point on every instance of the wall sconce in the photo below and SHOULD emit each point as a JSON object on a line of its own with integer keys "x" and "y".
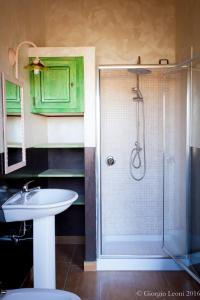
{"x": 13, "y": 55}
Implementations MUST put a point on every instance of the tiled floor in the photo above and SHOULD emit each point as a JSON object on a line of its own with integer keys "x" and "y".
{"x": 131, "y": 285}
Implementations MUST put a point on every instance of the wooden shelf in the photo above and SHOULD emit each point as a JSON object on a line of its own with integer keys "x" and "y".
{"x": 80, "y": 200}
{"x": 14, "y": 145}
{"x": 60, "y": 145}
{"x": 62, "y": 173}
{"x": 20, "y": 174}
{"x": 67, "y": 114}
{"x": 55, "y": 173}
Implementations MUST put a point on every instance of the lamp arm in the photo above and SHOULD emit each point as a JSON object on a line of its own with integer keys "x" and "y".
{"x": 17, "y": 55}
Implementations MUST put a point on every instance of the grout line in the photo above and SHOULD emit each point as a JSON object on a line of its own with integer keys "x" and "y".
{"x": 66, "y": 277}
{"x": 73, "y": 253}
{"x": 70, "y": 264}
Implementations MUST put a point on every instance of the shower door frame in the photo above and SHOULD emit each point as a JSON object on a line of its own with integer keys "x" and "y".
{"x": 167, "y": 263}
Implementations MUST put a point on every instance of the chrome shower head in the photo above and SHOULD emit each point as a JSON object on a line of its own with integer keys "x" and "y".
{"x": 140, "y": 71}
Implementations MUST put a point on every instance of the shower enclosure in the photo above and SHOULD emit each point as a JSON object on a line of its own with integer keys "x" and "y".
{"x": 131, "y": 210}
{"x": 156, "y": 217}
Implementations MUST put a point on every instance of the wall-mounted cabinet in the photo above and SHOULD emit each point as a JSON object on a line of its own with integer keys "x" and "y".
{"x": 59, "y": 89}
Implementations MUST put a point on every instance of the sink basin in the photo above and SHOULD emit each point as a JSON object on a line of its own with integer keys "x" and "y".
{"x": 37, "y": 204}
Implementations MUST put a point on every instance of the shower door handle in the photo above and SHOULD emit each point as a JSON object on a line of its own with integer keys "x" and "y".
{"x": 110, "y": 161}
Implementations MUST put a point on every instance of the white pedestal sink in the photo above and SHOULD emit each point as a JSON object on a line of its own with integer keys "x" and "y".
{"x": 41, "y": 206}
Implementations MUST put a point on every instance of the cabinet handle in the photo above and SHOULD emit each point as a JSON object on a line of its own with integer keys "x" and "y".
{"x": 72, "y": 84}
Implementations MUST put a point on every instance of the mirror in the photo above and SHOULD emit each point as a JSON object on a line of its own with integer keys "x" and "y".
{"x": 13, "y": 117}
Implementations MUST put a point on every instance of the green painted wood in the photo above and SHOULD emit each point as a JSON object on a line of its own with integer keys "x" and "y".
{"x": 60, "y": 88}
{"x": 60, "y": 145}
{"x": 69, "y": 114}
{"x": 14, "y": 145}
{"x": 13, "y": 98}
{"x": 62, "y": 173}
{"x": 80, "y": 200}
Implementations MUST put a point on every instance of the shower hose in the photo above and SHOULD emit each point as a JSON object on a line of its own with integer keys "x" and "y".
{"x": 137, "y": 152}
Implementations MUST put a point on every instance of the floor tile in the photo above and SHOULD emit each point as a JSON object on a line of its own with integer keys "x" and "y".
{"x": 64, "y": 253}
{"x": 28, "y": 282}
{"x": 62, "y": 268}
{"x": 115, "y": 285}
{"x": 84, "y": 284}
{"x": 78, "y": 255}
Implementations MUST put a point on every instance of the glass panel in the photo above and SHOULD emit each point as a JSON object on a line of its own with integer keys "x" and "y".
{"x": 132, "y": 211}
{"x": 175, "y": 164}
{"x": 194, "y": 203}
{"x": 182, "y": 168}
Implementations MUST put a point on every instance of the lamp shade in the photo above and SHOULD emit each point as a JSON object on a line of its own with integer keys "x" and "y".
{"x": 36, "y": 65}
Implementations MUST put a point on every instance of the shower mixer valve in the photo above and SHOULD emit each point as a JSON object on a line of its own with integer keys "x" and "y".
{"x": 110, "y": 160}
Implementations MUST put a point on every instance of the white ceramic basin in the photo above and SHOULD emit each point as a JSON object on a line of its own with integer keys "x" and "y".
{"x": 37, "y": 204}
{"x": 39, "y": 294}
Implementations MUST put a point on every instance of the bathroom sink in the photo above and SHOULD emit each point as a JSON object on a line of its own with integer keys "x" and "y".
{"x": 41, "y": 206}
{"x": 37, "y": 204}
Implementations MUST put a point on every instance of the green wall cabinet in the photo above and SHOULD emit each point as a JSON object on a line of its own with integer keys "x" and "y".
{"x": 59, "y": 89}
{"x": 13, "y": 98}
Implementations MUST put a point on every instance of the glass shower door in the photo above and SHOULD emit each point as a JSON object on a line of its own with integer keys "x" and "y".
{"x": 131, "y": 211}
{"x": 182, "y": 167}
{"x": 176, "y": 157}
{"x": 194, "y": 199}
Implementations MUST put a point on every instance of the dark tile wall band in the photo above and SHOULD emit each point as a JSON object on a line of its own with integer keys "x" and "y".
{"x": 1, "y": 163}
{"x": 194, "y": 202}
{"x": 66, "y": 158}
{"x": 90, "y": 204}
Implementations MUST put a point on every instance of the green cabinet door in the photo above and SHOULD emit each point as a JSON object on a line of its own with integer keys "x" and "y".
{"x": 13, "y": 98}
{"x": 60, "y": 88}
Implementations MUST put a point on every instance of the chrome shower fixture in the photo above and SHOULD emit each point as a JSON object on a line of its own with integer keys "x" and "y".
{"x": 140, "y": 71}
{"x": 139, "y": 150}
{"x": 139, "y": 96}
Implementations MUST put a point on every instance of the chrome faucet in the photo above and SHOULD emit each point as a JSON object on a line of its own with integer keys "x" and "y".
{"x": 2, "y": 293}
{"x": 25, "y": 188}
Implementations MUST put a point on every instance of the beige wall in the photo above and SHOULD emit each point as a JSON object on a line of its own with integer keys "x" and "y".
{"x": 19, "y": 21}
{"x": 187, "y": 28}
{"x": 119, "y": 29}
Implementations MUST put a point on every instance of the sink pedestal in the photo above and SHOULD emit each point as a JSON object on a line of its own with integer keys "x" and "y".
{"x": 44, "y": 252}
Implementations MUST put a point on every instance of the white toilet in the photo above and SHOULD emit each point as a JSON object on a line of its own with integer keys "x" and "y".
{"x": 38, "y": 294}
